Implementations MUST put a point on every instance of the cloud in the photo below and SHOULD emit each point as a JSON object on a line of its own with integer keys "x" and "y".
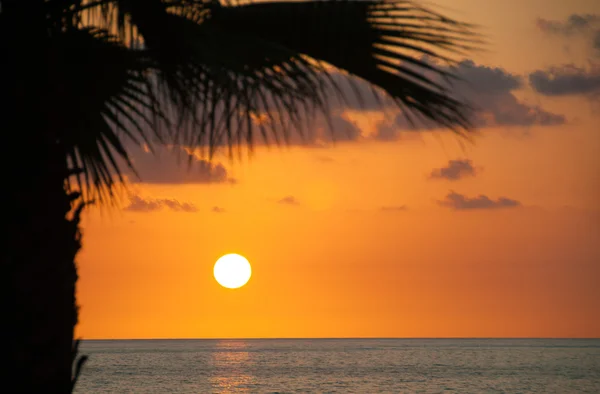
{"x": 343, "y": 129}
{"x": 177, "y": 206}
{"x": 324, "y": 159}
{"x": 289, "y": 200}
{"x": 216, "y": 209}
{"x": 574, "y": 24}
{"x": 586, "y": 26}
{"x": 490, "y": 90}
{"x": 460, "y": 202}
{"x": 390, "y": 132}
{"x": 567, "y": 80}
{"x": 139, "y": 204}
{"x": 488, "y": 80}
{"x": 394, "y": 208}
{"x": 324, "y": 132}
{"x": 455, "y": 170}
{"x": 165, "y": 167}
{"x": 319, "y": 132}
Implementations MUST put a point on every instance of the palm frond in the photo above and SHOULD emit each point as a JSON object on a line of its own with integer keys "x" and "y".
{"x": 217, "y": 79}
{"x": 102, "y": 99}
{"x": 198, "y": 72}
{"x": 392, "y": 44}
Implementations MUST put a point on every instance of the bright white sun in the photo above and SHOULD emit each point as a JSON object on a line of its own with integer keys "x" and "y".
{"x": 232, "y": 271}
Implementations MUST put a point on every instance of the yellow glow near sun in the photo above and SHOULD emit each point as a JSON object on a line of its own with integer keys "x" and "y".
{"x": 232, "y": 271}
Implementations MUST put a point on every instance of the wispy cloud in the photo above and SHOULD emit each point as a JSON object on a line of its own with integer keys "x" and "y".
{"x": 139, "y": 204}
{"x": 586, "y": 26}
{"x": 574, "y": 24}
{"x": 324, "y": 159}
{"x": 289, "y": 200}
{"x": 394, "y": 208}
{"x": 460, "y": 202}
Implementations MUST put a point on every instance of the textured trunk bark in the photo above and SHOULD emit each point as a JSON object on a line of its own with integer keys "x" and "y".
{"x": 40, "y": 241}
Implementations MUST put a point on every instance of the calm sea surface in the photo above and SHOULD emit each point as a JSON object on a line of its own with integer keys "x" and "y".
{"x": 342, "y": 366}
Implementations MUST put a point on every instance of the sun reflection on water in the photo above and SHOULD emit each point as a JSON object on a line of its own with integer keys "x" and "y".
{"x": 231, "y": 367}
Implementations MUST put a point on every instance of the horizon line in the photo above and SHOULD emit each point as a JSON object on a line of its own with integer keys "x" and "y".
{"x": 322, "y": 338}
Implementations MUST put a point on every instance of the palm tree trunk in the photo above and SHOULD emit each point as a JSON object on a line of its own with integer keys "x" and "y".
{"x": 41, "y": 240}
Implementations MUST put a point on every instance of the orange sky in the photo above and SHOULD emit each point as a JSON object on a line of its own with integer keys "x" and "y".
{"x": 329, "y": 261}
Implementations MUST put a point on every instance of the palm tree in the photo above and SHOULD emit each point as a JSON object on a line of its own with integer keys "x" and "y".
{"x": 82, "y": 79}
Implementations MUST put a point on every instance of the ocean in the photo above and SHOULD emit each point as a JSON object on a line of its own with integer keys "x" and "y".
{"x": 342, "y": 366}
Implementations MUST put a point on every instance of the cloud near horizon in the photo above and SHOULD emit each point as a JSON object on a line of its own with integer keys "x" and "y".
{"x": 394, "y": 208}
{"x": 139, "y": 204}
{"x": 324, "y": 159}
{"x": 455, "y": 170}
{"x": 289, "y": 200}
{"x": 460, "y": 202}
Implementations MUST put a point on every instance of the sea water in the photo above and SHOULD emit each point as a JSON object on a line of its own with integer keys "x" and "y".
{"x": 342, "y": 366}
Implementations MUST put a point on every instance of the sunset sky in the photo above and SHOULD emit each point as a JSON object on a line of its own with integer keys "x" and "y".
{"x": 387, "y": 232}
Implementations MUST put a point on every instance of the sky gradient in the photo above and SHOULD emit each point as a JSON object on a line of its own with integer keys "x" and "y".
{"x": 388, "y": 232}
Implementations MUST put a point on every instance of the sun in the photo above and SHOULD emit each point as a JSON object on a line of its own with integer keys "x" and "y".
{"x": 232, "y": 271}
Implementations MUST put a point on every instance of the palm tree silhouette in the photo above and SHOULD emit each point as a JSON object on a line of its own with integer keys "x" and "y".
{"x": 82, "y": 79}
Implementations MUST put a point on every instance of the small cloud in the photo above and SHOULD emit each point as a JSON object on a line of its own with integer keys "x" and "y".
{"x": 394, "y": 208}
{"x": 567, "y": 80}
{"x": 343, "y": 129}
{"x": 487, "y": 79}
{"x": 324, "y": 159}
{"x": 139, "y": 204}
{"x": 216, "y": 209}
{"x": 455, "y": 170}
{"x": 586, "y": 26}
{"x": 289, "y": 200}
{"x": 177, "y": 206}
{"x": 575, "y": 24}
{"x": 460, "y": 202}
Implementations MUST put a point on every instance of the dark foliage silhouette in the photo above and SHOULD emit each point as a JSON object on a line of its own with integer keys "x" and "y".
{"x": 82, "y": 79}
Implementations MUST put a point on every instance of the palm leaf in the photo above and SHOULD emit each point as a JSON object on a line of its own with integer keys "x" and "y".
{"x": 101, "y": 102}
{"x": 196, "y": 72}
{"x": 382, "y": 42}
{"x": 216, "y": 78}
